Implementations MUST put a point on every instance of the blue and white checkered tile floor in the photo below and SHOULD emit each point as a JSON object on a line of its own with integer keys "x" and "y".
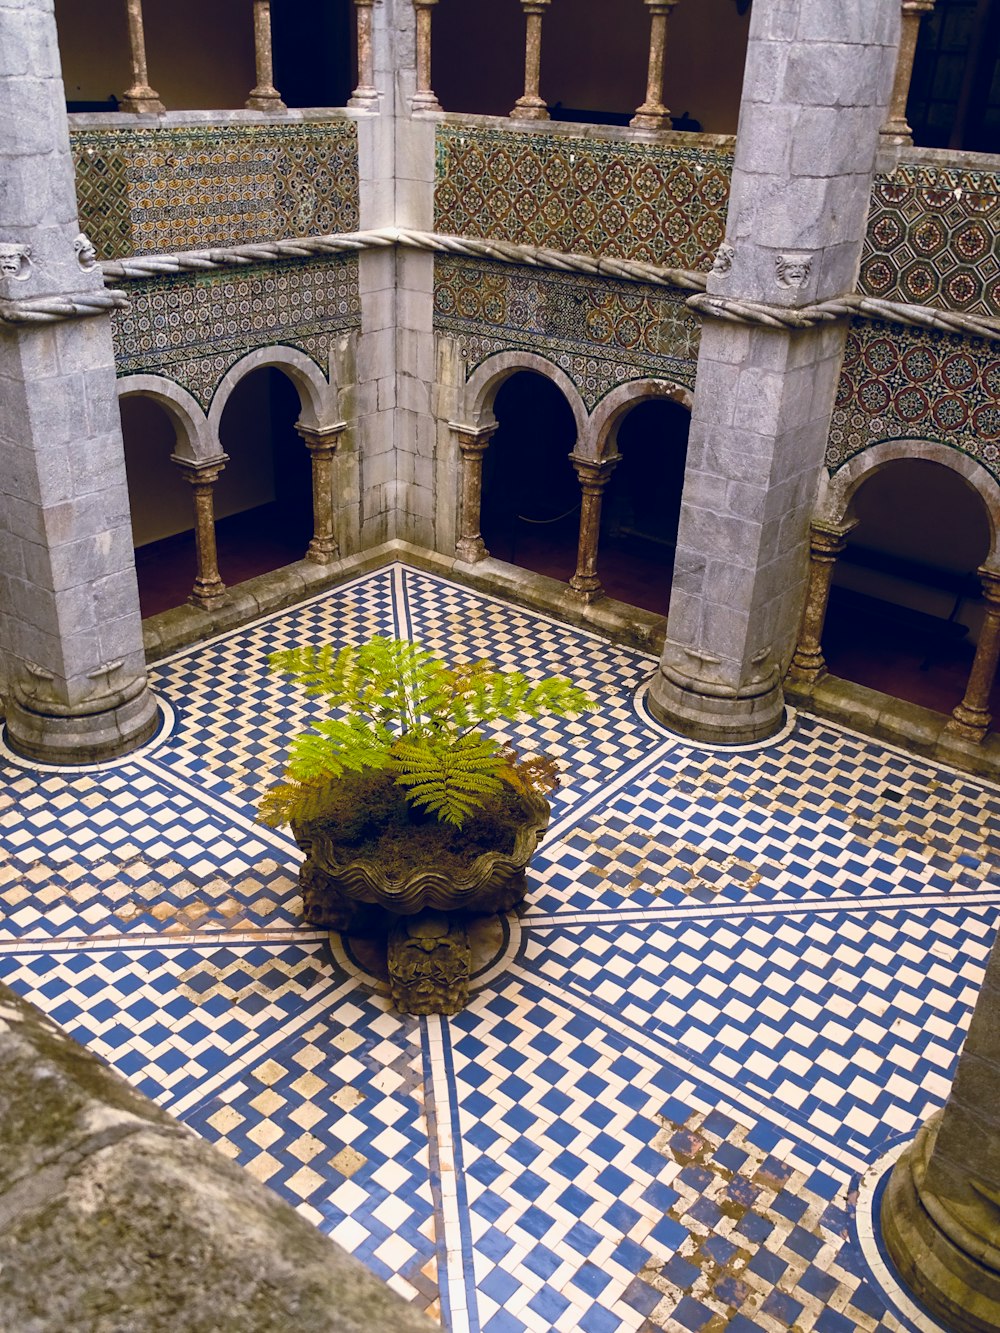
{"x": 741, "y": 982}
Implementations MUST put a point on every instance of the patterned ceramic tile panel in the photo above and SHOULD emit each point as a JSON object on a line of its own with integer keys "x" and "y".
{"x": 193, "y": 327}
{"x": 664, "y": 205}
{"x": 917, "y": 385}
{"x": 142, "y": 191}
{"x": 601, "y": 332}
{"x": 931, "y": 239}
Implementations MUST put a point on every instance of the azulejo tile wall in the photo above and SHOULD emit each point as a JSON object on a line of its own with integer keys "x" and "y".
{"x": 160, "y": 189}
{"x": 193, "y": 327}
{"x": 599, "y": 331}
{"x": 917, "y": 385}
{"x": 930, "y": 241}
{"x": 660, "y": 204}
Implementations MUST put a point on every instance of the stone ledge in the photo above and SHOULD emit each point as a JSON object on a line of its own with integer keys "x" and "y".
{"x": 185, "y": 625}
{"x": 917, "y": 730}
{"x": 116, "y": 1219}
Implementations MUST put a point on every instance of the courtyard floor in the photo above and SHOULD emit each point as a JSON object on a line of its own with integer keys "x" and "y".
{"x": 741, "y": 982}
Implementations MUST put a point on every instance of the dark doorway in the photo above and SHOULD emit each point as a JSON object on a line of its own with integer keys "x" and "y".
{"x": 161, "y": 506}
{"x": 263, "y": 499}
{"x": 531, "y": 496}
{"x": 642, "y": 505}
{"x": 905, "y": 608}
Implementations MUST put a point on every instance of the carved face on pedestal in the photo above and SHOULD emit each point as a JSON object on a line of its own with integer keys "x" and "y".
{"x": 86, "y": 255}
{"x": 793, "y": 270}
{"x": 15, "y": 260}
{"x": 429, "y": 966}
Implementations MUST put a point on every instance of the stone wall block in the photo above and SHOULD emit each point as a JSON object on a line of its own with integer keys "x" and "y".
{"x": 865, "y": 23}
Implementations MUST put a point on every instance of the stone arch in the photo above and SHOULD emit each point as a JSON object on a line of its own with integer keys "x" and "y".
{"x": 482, "y": 385}
{"x": 316, "y": 394}
{"x": 602, "y": 430}
{"x": 837, "y": 492}
{"x": 197, "y": 442}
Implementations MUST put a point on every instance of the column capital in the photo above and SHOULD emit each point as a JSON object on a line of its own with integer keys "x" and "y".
{"x": 918, "y": 6}
{"x": 531, "y": 6}
{"x": 657, "y": 7}
{"x": 829, "y": 539}
{"x": 594, "y": 472}
{"x": 473, "y": 438}
{"x": 321, "y": 439}
{"x": 200, "y": 471}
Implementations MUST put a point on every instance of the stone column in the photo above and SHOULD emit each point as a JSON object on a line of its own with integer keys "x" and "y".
{"x": 209, "y": 591}
{"x": 653, "y": 115}
{"x": 473, "y": 443}
{"x": 70, "y": 626}
{"x": 530, "y": 105}
{"x": 941, "y": 1209}
{"x": 816, "y": 87}
{"x": 365, "y": 95}
{"x": 140, "y": 97}
{"x": 825, "y": 545}
{"x": 594, "y": 475}
{"x": 896, "y": 129}
{"x": 322, "y": 445}
{"x": 265, "y": 97}
{"x": 970, "y": 720}
{"x": 423, "y": 98}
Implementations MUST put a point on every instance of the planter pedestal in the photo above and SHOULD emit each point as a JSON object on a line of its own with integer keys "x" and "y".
{"x": 421, "y": 914}
{"x": 429, "y": 964}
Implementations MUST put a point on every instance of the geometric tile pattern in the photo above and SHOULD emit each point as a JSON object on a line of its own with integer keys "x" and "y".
{"x": 658, "y": 204}
{"x": 916, "y": 385}
{"x": 601, "y": 332}
{"x": 162, "y": 189}
{"x": 304, "y": 303}
{"x": 930, "y": 240}
{"x": 740, "y": 979}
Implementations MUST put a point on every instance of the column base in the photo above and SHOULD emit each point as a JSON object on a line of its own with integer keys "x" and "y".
{"x": 102, "y": 728}
{"x": 588, "y": 587}
{"x": 425, "y": 101}
{"x": 969, "y": 724}
{"x": 322, "y": 552}
{"x": 530, "y": 108}
{"x": 209, "y": 596}
{"x": 959, "y": 1289}
{"x": 471, "y": 549}
{"x": 364, "y": 99}
{"x": 265, "y": 101}
{"x": 718, "y": 714}
{"x": 141, "y": 102}
{"x": 651, "y": 118}
{"x": 806, "y": 668}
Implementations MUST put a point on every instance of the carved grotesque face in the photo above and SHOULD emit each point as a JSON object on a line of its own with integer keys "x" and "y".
{"x": 85, "y": 253}
{"x": 724, "y": 257}
{"x": 13, "y": 258}
{"x": 793, "y": 270}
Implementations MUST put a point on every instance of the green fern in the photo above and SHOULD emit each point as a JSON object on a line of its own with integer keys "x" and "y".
{"x": 403, "y": 710}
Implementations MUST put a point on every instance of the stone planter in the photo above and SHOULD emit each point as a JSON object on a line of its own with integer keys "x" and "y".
{"x": 420, "y": 913}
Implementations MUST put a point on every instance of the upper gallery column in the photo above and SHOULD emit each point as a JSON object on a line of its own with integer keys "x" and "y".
{"x": 70, "y": 629}
{"x": 817, "y": 84}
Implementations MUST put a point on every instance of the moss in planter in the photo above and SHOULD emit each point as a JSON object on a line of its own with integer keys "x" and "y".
{"x": 367, "y": 817}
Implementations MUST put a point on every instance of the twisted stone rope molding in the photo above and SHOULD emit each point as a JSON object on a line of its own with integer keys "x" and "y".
{"x": 47, "y": 310}
{"x": 807, "y": 317}
{"x": 304, "y": 247}
{"x": 52, "y": 309}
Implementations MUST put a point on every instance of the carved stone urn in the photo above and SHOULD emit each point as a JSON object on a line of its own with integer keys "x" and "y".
{"x": 422, "y": 912}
